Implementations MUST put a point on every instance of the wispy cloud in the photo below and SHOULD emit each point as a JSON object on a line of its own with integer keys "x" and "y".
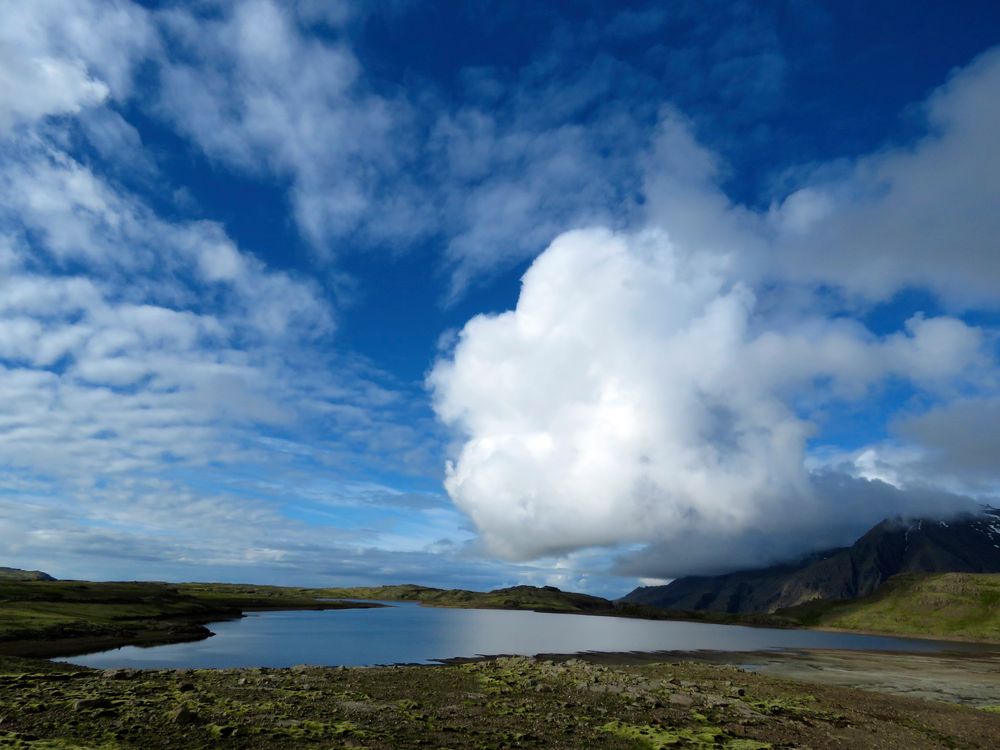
{"x": 164, "y": 392}
{"x": 255, "y": 91}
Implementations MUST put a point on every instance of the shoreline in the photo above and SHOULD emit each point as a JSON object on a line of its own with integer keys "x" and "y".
{"x": 192, "y": 630}
{"x": 148, "y": 633}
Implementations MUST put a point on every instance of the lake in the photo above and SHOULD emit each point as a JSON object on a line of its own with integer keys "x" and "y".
{"x": 405, "y": 632}
{"x": 408, "y": 633}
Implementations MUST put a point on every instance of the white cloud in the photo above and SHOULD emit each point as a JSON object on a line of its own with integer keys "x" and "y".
{"x": 512, "y": 179}
{"x": 634, "y": 395}
{"x": 58, "y": 57}
{"x": 257, "y": 92}
{"x": 954, "y": 444}
{"x": 142, "y": 358}
{"x": 39, "y": 86}
{"x": 921, "y": 216}
{"x": 664, "y": 391}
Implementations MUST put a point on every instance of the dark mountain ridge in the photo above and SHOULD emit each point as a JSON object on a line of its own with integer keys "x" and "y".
{"x": 965, "y": 544}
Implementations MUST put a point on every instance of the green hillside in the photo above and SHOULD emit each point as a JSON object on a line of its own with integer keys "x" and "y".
{"x": 516, "y": 597}
{"x": 943, "y": 605}
{"x": 16, "y": 574}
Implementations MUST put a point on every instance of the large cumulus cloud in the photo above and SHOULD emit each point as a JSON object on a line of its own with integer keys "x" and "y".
{"x": 637, "y": 395}
{"x": 668, "y": 391}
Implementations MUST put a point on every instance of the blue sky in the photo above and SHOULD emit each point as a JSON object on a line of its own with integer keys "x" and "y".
{"x": 492, "y": 292}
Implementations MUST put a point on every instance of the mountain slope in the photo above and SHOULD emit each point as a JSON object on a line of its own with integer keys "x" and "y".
{"x": 943, "y": 605}
{"x": 16, "y": 574}
{"x": 969, "y": 544}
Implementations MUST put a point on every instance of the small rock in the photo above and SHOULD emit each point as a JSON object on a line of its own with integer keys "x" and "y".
{"x": 714, "y": 701}
{"x": 681, "y": 699}
{"x": 742, "y": 709}
{"x": 118, "y": 674}
{"x": 184, "y": 715}
{"x": 186, "y": 687}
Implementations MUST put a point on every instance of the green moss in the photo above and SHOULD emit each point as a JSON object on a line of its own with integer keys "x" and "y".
{"x": 221, "y": 730}
{"x": 701, "y": 736}
{"x": 27, "y": 742}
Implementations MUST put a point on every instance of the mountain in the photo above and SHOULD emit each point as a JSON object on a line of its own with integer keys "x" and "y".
{"x": 16, "y": 574}
{"x": 966, "y": 544}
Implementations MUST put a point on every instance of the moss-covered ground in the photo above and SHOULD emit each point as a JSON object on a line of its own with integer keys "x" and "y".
{"x": 501, "y": 703}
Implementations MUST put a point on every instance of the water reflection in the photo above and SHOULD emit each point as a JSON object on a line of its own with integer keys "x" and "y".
{"x": 407, "y": 633}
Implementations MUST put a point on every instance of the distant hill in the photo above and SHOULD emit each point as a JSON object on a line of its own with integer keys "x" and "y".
{"x": 16, "y": 574}
{"x": 547, "y": 598}
{"x": 943, "y": 605}
{"x": 969, "y": 544}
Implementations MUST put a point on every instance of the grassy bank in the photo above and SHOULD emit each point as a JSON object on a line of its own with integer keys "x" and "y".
{"x": 49, "y": 618}
{"x": 503, "y": 703}
{"x": 960, "y": 606}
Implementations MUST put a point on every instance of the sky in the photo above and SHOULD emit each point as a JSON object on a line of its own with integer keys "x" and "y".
{"x": 479, "y": 293}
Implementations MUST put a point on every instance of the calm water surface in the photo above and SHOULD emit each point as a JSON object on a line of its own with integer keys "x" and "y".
{"x": 407, "y": 632}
